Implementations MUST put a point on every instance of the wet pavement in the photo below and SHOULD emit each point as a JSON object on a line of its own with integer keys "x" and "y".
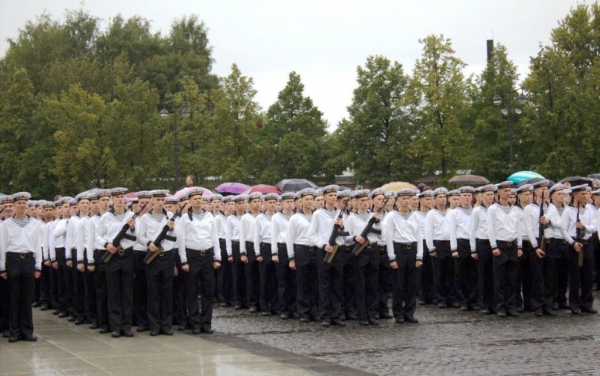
{"x": 444, "y": 342}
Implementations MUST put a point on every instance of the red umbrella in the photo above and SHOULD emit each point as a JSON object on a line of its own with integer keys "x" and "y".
{"x": 131, "y": 195}
{"x": 262, "y": 188}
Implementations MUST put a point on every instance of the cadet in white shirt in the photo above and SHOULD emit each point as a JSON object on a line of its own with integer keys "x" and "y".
{"x": 481, "y": 250}
{"x": 437, "y": 236}
{"x": 222, "y": 209}
{"x": 74, "y": 231}
{"x": 425, "y": 285}
{"x": 405, "y": 250}
{"x": 200, "y": 254}
{"x": 263, "y": 241}
{"x": 504, "y": 231}
{"x": 21, "y": 263}
{"x": 140, "y": 290}
{"x": 8, "y": 211}
{"x": 286, "y": 277}
{"x": 234, "y": 256}
{"x": 252, "y": 254}
{"x": 302, "y": 255}
{"x": 63, "y": 257}
{"x": 525, "y": 271}
{"x": 459, "y": 221}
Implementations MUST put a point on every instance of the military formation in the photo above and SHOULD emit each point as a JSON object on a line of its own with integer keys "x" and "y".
{"x": 329, "y": 255}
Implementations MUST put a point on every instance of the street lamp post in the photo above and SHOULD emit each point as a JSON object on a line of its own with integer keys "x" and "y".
{"x": 185, "y": 113}
{"x": 507, "y": 113}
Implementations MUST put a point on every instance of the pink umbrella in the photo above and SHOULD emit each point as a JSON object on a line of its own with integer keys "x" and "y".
{"x": 234, "y": 188}
{"x": 131, "y": 195}
{"x": 262, "y": 188}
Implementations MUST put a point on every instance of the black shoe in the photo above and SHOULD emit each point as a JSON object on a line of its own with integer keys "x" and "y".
{"x": 285, "y": 316}
{"x": 44, "y": 307}
{"x": 128, "y": 334}
{"x": 343, "y": 316}
{"x": 238, "y": 307}
{"x": 539, "y": 313}
{"x": 501, "y": 313}
{"x": 338, "y": 322}
{"x": 206, "y": 330}
{"x": 6, "y": 334}
{"x": 103, "y": 331}
{"x": 141, "y": 329}
{"x": 512, "y": 313}
{"x": 591, "y": 311}
{"x": 351, "y": 316}
{"x": 93, "y": 326}
{"x": 253, "y": 309}
{"x": 400, "y": 320}
{"x": 35, "y": 305}
{"x": 555, "y": 306}
{"x": 296, "y": 315}
{"x": 385, "y": 315}
{"x": 575, "y": 311}
{"x": 153, "y": 333}
{"x": 454, "y": 305}
{"x": 79, "y": 322}
{"x": 372, "y": 321}
{"x": 550, "y": 312}
{"x": 563, "y": 306}
{"x": 115, "y": 334}
{"x": 13, "y": 339}
{"x": 224, "y": 304}
{"x": 72, "y": 319}
{"x": 62, "y": 315}
{"x": 183, "y": 328}
{"x": 441, "y": 305}
{"x": 464, "y": 307}
{"x": 196, "y": 331}
{"x": 422, "y": 302}
{"x": 363, "y": 322}
{"x": 30, "y": 338}
{"x": 304, "y": 320}
{"x": 266, "y": 313}
{"x": 56, "y": 312}
{"x": 412, "y": 320}
{"x": 486, "y": 311}
{"x": 326, "y": 323}
{"x": 167, "y": 332}
{"x": 520, "y": 309}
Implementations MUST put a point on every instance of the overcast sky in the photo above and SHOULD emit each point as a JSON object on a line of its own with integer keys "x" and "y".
{"x": 325, "y": 40}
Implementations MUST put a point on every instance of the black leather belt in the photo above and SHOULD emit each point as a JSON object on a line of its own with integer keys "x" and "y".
{"x": 201, "y": 252}
{"x": 506, "y": 244}
{"x": 310, "y": 248}
{"x": 22, "y": 255}
{"x": 406, "y": 245}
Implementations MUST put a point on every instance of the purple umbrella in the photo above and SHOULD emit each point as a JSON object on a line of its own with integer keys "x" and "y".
{"x": 235, "y": 188}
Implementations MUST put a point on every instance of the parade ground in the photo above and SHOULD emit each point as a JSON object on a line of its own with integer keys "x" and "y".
{"x": 444, "y": 342}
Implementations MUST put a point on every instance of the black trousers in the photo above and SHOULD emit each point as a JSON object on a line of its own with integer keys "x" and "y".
{"x": 238, "y": 270}
{"x": 5, "y": 305}
{"x": 100, "y": 283}
{"x": 252, "y": 276}
{"x": 180, "y": 315}
{"x": 485, "y": 266}
{"x": 551, "y": 264}
{"x": 20, "y": 269}
{"x": 405, "y": 280}
{"x": 348, "y": 260}
{"x": 119, "y": 278}
{"x": 225, "y": 277}
{"x": 200, "y": 279}
{"x": 286, "y": 282}
{"x": 65, "y": 281}
{"x": 505, "y": 273}
{"x": 466, "y": 274}
{"x": 366, "y": 282}
{"x": 596, "y": 251}
{"x": 444, "y": 272}
{"x": 525, "y": 276}
{"x": 90, "y": 302}
{"x": 384, "y": 279}
{"x": 54, "y": 297}
{"x": 580, "y": 278}
{"x": 307, "y": 275}
{"x": 140, "y": 290}
{"x": 159, "y": 276}
{"x": 45, "y": 286}
{"x": 562, "y": 272}
{"x": 78, "y": 308}
{"x": 543, "y": 278}
{"x": 331, "y": 287}
{"x": 425, "y": 280}
{"x": 269, "y": 300}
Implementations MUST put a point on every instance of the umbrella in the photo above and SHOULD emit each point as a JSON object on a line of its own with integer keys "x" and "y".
{"x": 295, "y": 185}
{"x": 577, "y": 180}
{"x": 230, "y": 187}
{"x": 398, "y": 185}
{"x": 262, "y": 188}
{"x": 520, "y": 176}
{"x": 131, "y": 195}
{"x": 469, "y": 179}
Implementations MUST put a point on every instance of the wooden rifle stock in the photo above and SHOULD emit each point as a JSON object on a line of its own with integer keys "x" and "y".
{"x": 580, "y": 260}
{"x": 334, "y": 233}
{"x": 150, "y": 256}
{"x": 117, "y": 240}
{"x": 542, "y": 244}
{"x": 358, "y": 248}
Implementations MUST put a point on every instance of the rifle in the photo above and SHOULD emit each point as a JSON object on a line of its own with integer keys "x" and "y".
{"x": 578, "y": 231}
{"x": 334, "y": 234}
{"x": 541, "y": 236}
{"x": 358, "y": 248}
{"x": 150, "y": 256}
{"x": 117, "y": 240}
